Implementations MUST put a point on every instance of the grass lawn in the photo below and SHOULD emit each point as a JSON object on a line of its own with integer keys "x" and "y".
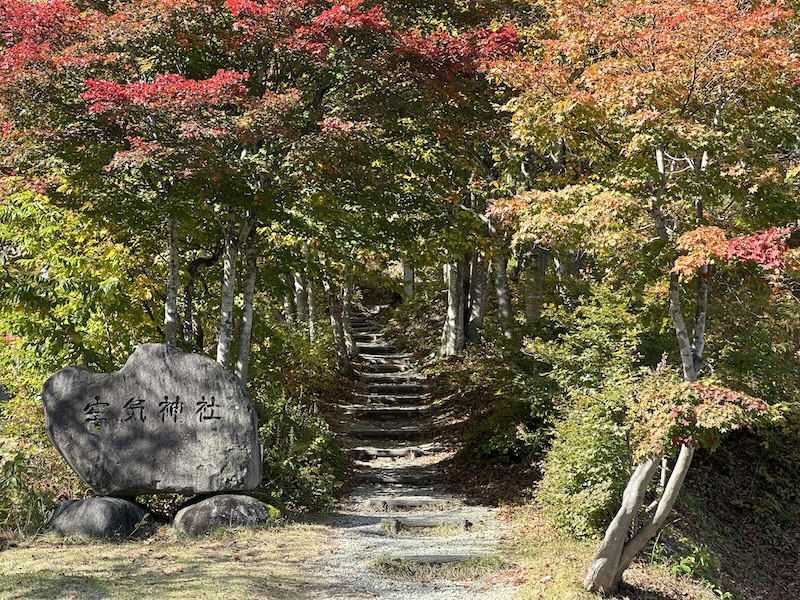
{"x": 552, "y": 566}
{"x": 260, "y": 563}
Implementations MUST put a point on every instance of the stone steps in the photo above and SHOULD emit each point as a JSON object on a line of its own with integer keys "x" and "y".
{"x": 400, "y": 378}
{"x": 392, "y": 389}
{"x": 398, "y": 510}
{"x": 410, "y": 502}
{"x": 400, "y": 433}
{"x": 386, "y": 412}
{"x": 380, "y": 400}
{"x": 384, "y": 367}
{"x": 412, "y": 479}
{"x": 375, "y": 349}
{"x": 367, "y": 453}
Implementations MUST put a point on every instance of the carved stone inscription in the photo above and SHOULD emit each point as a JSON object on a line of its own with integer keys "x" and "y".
{"x": 168, "y": 421}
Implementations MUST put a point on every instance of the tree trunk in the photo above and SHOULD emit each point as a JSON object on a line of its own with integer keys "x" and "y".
{"x": 171, "y": 300}
{"x": 566, "y": 267}
{"x": 500, "y": 266}
{"x": 347, "y": 309}
{"x": 477, "y": 297}
{"x": 453, "y": 334}
{"x": 535, "y": 269}
{"x": 289, "y": 311}
{"x": 408, "y": 280}
{"x": 191, "y": 327}
{"x": 603, "y": 574}
{"x": 301, "y": 297}
{"x": 615, "y": 554}
{"x": 313, "y": 312}
{"x": 228, "y": 287}
{"x": 246, "y": 331}
{"x": 335, "y": 306}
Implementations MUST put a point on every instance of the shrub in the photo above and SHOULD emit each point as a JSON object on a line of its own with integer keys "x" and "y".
{"x": 302, "y": 462}
{"x": 22, "y": 507}
{"x": 519, "y": 426}
{"x": 586, "y": 470}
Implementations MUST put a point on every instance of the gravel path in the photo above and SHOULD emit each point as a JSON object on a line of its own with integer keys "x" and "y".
{"x": 398, "y": 511}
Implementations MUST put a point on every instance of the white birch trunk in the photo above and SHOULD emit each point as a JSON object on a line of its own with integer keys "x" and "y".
{"x": 171, "y": 300}
{"x": 289, "y": 314}
{"x": 347, "y": 309}
{"x": 313, "y": 312}
{"x": 453, "y": 335}
{"x": 478, "y": 285}
{"x": 229, "y": 256}
{"x": 615, "y": 555}
{"x": 500, "y": 266}
{"x": 301, "y": 297}
{"x": 246, "y": 331}
{"x": 408, "y": 280}
{"x": 339, "y": 344}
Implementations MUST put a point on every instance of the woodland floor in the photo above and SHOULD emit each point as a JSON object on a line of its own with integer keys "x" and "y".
{"x": 373, "y": 547}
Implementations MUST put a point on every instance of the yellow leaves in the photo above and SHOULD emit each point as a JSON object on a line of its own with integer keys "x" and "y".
{"x": 592, "y": 217}
{"x": 703, "y": 246}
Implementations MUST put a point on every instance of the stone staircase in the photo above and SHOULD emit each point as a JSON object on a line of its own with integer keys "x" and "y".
{"x": 397, "y": 510}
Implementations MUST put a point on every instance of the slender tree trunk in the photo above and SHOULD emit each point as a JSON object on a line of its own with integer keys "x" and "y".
{"x": 453, "y": 334}
{"x": 347, "y": 309}
{"x": 477, "y": 297}
{"x": 301, "y": 297}
{"x": 191, "y": 327}
{"x": 228, "y": 287}
{"x": 615, "y": 553}
{"x": 535, "y": 269}
{"x": 335, "y": 306}
{"x": 565, "y": 270}
{"x": 313, "y": 312}
{"x": 603, "y": 574}
{"x": 171, "y": 300}
{"x": 289, "y": 311}
{"x": 500, "y": 266}
{"x": 408, "y": 280}
{"x": 246, "y": 331}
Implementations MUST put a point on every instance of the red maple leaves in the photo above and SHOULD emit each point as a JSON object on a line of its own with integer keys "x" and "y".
{"x": 224, "y": 88}
{"x": 706, "y": 245}
{"x": 36, "y": 22}
{"x": 461, "y": 53}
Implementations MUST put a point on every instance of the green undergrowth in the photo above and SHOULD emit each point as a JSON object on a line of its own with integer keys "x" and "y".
{"x": 469, "y": 568}
{"x": 290, "y": 380}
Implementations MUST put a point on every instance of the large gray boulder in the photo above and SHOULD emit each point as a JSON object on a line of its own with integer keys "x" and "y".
{"x": 168, "y": 421}
{"x": 96, "y": 518}
{"x": 225, "y": 510}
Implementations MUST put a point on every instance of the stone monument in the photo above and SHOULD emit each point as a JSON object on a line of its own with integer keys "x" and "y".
{"x": 167, "y": 422}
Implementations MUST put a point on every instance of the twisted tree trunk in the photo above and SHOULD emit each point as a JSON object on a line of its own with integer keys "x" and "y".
{"x": 616, "y": 552}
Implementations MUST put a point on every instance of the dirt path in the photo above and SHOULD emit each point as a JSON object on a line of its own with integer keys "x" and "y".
{"x": 398, "y": 519}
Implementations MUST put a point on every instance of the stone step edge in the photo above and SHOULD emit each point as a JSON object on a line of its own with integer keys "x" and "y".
{"x": 435, "y": 559}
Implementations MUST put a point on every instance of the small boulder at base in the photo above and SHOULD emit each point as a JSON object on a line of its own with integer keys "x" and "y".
{"x": 167, "y": 422}
{"x": 96, "y": 518}
{"x": 225, "y": 510}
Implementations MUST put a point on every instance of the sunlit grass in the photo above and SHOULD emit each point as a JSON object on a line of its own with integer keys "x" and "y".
{"x": 262, "y": 563}
{"x": 552, "y": 566}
